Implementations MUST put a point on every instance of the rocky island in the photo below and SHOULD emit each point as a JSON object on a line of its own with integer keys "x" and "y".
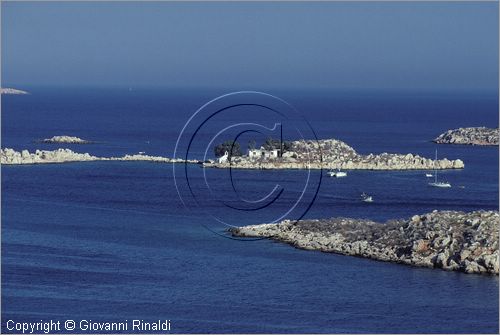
{"x": 470, "y": 136}
{"x": 12, "y": 157}
{"x": 65, "y": 139}
{"x": 333, "y": 154}
{"x": 11, "y": 91}
{"x": 448, "y": 240}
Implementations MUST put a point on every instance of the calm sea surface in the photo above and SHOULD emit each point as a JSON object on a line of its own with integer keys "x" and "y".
{"x": 111, "y": 241}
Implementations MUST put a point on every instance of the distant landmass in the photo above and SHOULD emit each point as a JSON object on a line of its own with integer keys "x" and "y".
{"x": 469, "y": 136}
{"x": 11, "y": 91}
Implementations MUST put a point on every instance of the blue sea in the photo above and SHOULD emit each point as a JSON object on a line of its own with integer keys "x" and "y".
{"x": 113, "y": 241}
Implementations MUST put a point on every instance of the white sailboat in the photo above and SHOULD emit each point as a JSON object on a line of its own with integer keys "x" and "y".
{"x": 437, "y": 183}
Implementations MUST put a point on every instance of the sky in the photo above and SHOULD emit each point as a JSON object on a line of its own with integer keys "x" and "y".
{"x": 378, "y": 45}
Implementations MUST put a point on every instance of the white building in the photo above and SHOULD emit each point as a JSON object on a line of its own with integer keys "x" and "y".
{"x": 223, "y": 159}
{"x": 263, "y": 153}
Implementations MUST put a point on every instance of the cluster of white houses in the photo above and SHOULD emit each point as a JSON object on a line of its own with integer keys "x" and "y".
{"x": 255, "y": 154}
{"x": 263, "y": 153}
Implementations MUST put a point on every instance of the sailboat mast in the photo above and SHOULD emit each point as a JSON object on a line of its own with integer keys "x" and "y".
{"x": 435, "y": 168}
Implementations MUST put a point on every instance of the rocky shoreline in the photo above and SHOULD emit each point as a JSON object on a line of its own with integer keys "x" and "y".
{"x": 12, "y": 157}
{"x": 470, "y": 136}
{"x": 448, "y": 240}
{"x": 335, "y": 154}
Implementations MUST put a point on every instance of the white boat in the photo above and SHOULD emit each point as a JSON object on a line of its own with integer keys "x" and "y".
{"x": 437, "y": 183}
{"x": 337, "y": 174}
{"x": 440, "y": 184}
{"x": 366, "y": 198}
{"x": 429, "y": 175}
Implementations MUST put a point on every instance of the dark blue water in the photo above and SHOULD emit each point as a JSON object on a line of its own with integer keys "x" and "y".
{"x": 110, "y": 241}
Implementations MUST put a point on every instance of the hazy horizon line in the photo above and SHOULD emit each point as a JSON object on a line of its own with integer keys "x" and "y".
{"x": 21, "y": 86}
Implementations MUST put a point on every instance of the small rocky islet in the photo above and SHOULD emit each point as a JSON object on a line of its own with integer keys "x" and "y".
{"x": 336, "y": 154}
{"x": 448, "y": 240}
{"x": 65, "y": 139}
{"x": 13, "y": 91}
{"x": 470, "y": 136}
{"x": 12, "y": 157}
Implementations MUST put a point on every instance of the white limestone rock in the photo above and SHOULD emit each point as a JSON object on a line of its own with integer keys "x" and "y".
{"x": 65, "y": 139}
{"x": 7, "y": 90}
{"x": 11, "y": 157}
{"x": 441, "y": 239}
{"x": 470, "y": 136}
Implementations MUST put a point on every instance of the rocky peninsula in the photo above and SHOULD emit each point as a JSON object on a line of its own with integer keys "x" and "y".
{"x": 12, "y": 157}
{"x": 11, "y": 91}
{"x": 335, "y": 154}
{"x": 448, "y": 240}
{"x": 65, "y": 139}
{"x": 470, "y": 136}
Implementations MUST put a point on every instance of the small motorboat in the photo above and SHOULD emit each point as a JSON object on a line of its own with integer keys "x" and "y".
{"x": 337, "y": 174}
{"x": 429, "y": 175}
{"x": 366, "y": 198}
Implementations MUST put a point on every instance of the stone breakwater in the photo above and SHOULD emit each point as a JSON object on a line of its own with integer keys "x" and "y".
{"x": 66, "y": 139}
{"x": 12, "y": 157}
{"x": 471, "y": 136}
{"x": 335, "y": 154}
{"x": 448, "y": 240}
